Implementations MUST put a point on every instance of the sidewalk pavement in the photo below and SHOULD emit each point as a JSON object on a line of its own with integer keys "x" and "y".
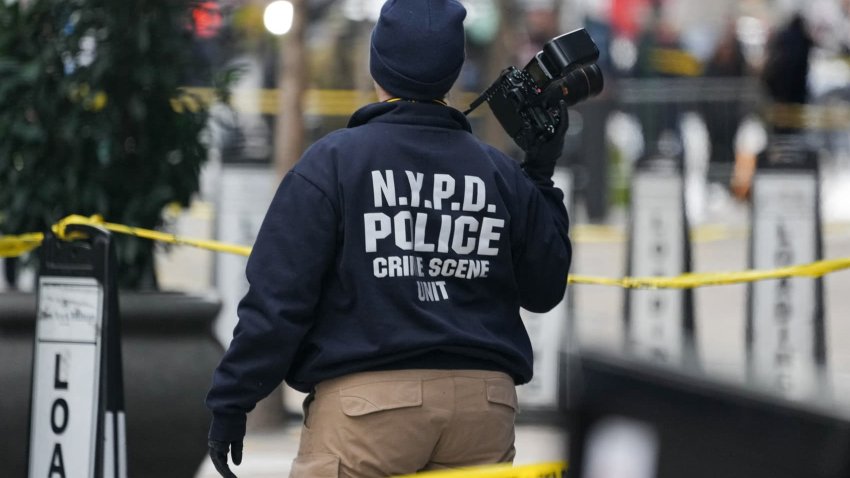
{"x": 270, "y": 454}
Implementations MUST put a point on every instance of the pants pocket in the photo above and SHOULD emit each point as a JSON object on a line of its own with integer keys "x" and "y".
{"x": 502, "y": 392}
{"x": 376, "y": 397}
{"x": 315, "y": 465}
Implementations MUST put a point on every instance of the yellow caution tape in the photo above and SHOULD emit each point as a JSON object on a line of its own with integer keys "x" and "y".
{"x": 59, "y": 230}
{"x": 329, "y": 102}
{"x": 13, "y": 246}
{"x": 833, "y": 117}
{"x": 596, "y": 234}
{"x": 317, "y": 102}
{"x": 541, "y": 470}
{"x": 602, "y": 234}
{"x": 674, "y": 62}
{"x": 700, "y": 279}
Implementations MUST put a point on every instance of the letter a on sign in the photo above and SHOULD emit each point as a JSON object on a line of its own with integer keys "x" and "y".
{"x": 76, "y": 423}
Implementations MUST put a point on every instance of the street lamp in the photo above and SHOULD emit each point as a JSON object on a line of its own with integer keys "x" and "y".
{"x": 277, "y": 17}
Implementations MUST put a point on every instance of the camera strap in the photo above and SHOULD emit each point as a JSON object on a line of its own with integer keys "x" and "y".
{"x": 475, "y": 104}
{"x": 488, "y": 93}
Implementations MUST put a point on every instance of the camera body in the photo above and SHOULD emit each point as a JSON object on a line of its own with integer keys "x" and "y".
{"x": 526, "y": 101}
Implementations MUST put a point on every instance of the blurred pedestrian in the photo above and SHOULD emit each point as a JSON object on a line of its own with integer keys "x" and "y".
{"x": 786, "y": 71}
{"x": 661, "y": 56}
{"x": 388, "y": 274}
{"x": 722, "y": 118}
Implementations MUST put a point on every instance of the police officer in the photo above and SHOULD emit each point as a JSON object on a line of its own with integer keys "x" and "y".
{"x": 388, "y": 274}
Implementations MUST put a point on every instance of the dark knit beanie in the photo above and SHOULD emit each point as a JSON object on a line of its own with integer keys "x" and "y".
{"x": 418, "y": 47}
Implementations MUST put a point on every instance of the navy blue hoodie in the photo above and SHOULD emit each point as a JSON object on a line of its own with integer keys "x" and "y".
{"x": 400, "y": 242}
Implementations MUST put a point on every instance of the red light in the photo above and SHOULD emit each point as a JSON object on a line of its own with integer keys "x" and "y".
{"x": 207, "y": 19}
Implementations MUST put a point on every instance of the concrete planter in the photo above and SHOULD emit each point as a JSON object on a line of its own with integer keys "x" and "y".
{"x": 169, "y": 354}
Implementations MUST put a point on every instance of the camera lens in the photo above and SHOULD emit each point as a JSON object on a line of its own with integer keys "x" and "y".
{"x": 582, "y": 84}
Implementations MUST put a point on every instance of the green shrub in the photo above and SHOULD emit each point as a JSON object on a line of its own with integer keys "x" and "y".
{"x": 92, "y": 120}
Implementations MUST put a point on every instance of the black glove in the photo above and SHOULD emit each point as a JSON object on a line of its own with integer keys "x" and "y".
{"x": 540, "y": 158}
{"x": 218, "y": 455}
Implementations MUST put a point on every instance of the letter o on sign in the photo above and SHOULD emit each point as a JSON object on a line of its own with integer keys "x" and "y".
{"x": 59, "y": 427}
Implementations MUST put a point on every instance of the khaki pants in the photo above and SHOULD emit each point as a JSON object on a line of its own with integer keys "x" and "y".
{"x": 378, "y": 424}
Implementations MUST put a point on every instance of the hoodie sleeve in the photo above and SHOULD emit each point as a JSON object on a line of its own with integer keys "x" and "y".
{"x": 293, "y": 252}
{"x": 543, "y": 254}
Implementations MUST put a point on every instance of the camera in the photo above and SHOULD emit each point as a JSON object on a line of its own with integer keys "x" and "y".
{"x": 525, "y": 101}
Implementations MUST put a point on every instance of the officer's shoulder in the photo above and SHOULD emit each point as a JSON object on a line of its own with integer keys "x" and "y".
{"x": 320, "y": 160}
{"x": 499, "y": 157}
{"x": 326, "y": 146}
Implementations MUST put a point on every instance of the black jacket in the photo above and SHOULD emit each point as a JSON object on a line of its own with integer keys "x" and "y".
{"x": 400, "y": 242}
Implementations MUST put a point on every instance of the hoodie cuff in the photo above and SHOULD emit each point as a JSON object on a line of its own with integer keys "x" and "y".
{"x": 227, "y": 427}
{"x": 540, "y": 176}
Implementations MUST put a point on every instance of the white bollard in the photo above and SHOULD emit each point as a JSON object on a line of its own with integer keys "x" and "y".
{"x": 786, "y": 345}
{"x": 659, "y": 323}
